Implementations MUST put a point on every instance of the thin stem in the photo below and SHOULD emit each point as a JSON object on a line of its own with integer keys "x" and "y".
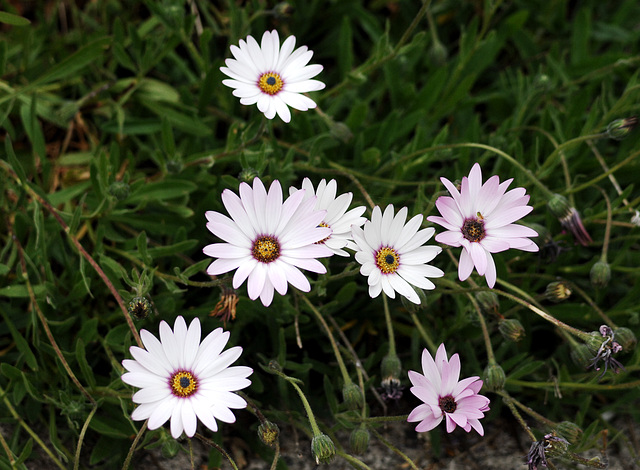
{"x": 45, "y": 324}
{"x": 219, "y": 449}
{"x": 134, "y": 444}
{"x": 604, "y": 175}
{"x": 394, "y": 449}
{"x": 590, "y": 301}
{"x": 76, "y": 463}
{"x": 193, "y": 464}
{"x": 423, "y": 333}
{"x": 575, "y": 385}
{"x": 78, "y": 246}
{"x": 276, "y": 456}
{"x": 334, "y": 345}
{"x": 26, "y": 427}
{"x": 612, "y": 178}
{"x": 7, "y": 450}
{"x": 565, "y": 145}
{"x": 509, "y": 402}
{"x": 352, "y": 460}
{"x": 387, "y": 317}
{"x": 526, "y": 409}
{"x": 607, "y": 229}
{"x": 485, "y": 332}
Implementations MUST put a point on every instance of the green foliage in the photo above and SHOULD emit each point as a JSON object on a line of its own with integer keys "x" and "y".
{"x": 117, "y": 120}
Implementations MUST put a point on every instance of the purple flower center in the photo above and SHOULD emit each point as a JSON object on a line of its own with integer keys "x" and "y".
{"x": 266, "y": 249}
{"x": 473, "y": 229}
{"x": 447, "y": 404}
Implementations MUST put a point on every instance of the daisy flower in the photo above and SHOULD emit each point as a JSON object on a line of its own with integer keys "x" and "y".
{"x": 446, "y": 397}
{"x": 337, "y": 218}
{"x": 184, "y": 380}
{"x": 271, "y": 76}
{"x": 267, "y": 240}
{"x": 392, "y": 254}
{"x": 479, "y": 217}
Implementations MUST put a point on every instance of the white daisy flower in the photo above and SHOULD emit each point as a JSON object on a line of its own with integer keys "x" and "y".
{"x": 392, "y": 254}
{"x": 184, "y": 380}
{"x": 267, "y": 240}
{"x": 337, "y": 218}
{"x": 272, "y": 77}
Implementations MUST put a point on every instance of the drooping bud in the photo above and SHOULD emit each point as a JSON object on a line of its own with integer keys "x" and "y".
{"x": 352, "y": 396}
{"x": 139, "y": 308}
{"x": 268, "y": 433}
{"x": 620, "y": 128}
{"x": 494, "y": 377}
{"x": 119, "y": 190}
{"x": 170, "y": 448}
{"x": 557, "y": 291}
{"x": 570, "y": 431}
{"x": 248, "y": 174}
{"x": 569, "y": 218}
{"x": 415, "y": 308}
{"x": 511, "y": 329}
{"x": 600, "y": 274}
{"x": 390, "y": 369}
{"x": 626, "y": 339}
{"x": 283, "y": 10}
{"x": 555, "y": 446}
{"x": 438, "y": 53}
{"x": 359, "y": 440}
{"x": 489, "y": 302}
{"x": 594, "y": 341}
{"x": 322, "y": 449}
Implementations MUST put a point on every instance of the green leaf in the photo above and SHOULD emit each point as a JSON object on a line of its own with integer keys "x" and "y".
{"x": 81, "y": 357}
{"x": 21, "y": 291}
{"x": 26, "y": 452}
{"x": 161, "y": 190}
{"x": 525, "y": 369}
{"x": 3, "y": 58}
{"x": 110, "y": 426}
{"x": 188, "y": 124}
{"x": 168, "y": 142}
{"x": 21, "y": 343}
{"x": 160, "y": 251}
{"x": 13, "y": 20}
{"x": 4, "y": 269}
{"x": 141, "y": 242}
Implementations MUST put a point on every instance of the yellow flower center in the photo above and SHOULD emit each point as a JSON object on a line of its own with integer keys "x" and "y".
{"x": 387, "y": 260}
{"x": 183, "y": 384}
{"x": 266, "y": 249}
{"x": 270, "y": 83}
{"x": 321, "y": 242}
{"x": 473, "y": 229}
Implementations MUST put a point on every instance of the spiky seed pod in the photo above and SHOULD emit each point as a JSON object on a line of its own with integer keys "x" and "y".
{"x": 323, "y": 449}
{"x": 268, "y": 433}
{"x": 352, "y": 396}
{"x": 359, "y": 440}
{"x": 511, "y": 329}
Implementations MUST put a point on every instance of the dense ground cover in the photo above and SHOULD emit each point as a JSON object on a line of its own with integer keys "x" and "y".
{"x": 119, "y": 135}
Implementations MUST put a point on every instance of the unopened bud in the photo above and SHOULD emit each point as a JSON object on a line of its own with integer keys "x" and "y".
{"x": 139, "y": 308}
{"x": 626, "y": 339}
{"x": 391, "y": 367}
{"x": 581, "y": 355}
{"x": 247, "y": 175}
{"x": 438, "y": 53}
{"x": 511, "y": 329}
{"x": 174, "y": 166}
{"x": 620, "y": 128}
{"x": 283, "y": 10}
{"x": 170, "y": 448}
{"x": 359, "y": 440}
{"x": 415, "y": 308}
{"x": 600, "y": 274}
{"x": 489, "y": 301}
{"x": 594, "y": 341}
{"x": 555, "y": 446}
{"x": 557, "y": 291}
{"x": 322, "y": 449}
{"x": 494, "y": 377}
{"x": 268, "y": 433}
{"x": 352, "y": 396}
{"x": 340, "y": 131}
{"x": 570, "y": 431}
{"x": 119, "y": 190}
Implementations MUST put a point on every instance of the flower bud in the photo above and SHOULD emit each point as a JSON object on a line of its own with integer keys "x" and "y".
{"x": 594, "y": 341}
{"x": 340, "y": 131}
{"x": 438, "y": 53}
{"x": 119, "y": 190}
{"x": 581, "y": 355}
{"x": 283, "y": 10}
{"x": 322, "y": 449}
{"x": 511, "y": 329}
{"x": 139, "y": 308}
{"x": 391, "y": 367}
{"x": 557, "y": 291}
{"x": 247, "y": 175}
{"x": 620, "y": 128}
{"x": 489, "y": 302}
{"x": 570, "y": 431}
{"x": 626, "y": 339}
{"x": 268, "y": 433}
{"x": 359, "y": 440}
{"x": 174, "y": 166}
{"x": 600, "y": 274}
{"x": 415, "y": 308}
{"x": 494, "y": 377}
{"x": 170, "y": 448}
{"x": 555, "y": 446}
{"x": 569, "y": 218}
{"x": 352, "y": 396}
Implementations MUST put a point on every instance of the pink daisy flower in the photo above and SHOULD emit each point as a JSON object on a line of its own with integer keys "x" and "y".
{"x": 480, "y": 218}
{"x": 267, "y": 241}
{"x": 446, "y": 397}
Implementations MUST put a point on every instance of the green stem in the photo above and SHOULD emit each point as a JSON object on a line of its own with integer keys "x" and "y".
{"x": 526, "y": 409}
{"x": 7, "y": 450}
{"x": 607, "y": 230}
{"x": 423, "y": 333}
{"x": 219, "y": 449}
{"x": 134, "y": 444}
{"x": 76, "y": 463}
{"x": 604, "y": 175}
{"x": 352, "y": 460}
{"x": 575, "y": 385}
{"x": 387, "y": 317}
{"x": 509, "y": 402}
{"x": 394, "y": 449}
{"x": 334, "y": 345}
{"x": 26, "y": 427}
{"x": 550, "y": 161}
{"x": 485, "y": 332}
